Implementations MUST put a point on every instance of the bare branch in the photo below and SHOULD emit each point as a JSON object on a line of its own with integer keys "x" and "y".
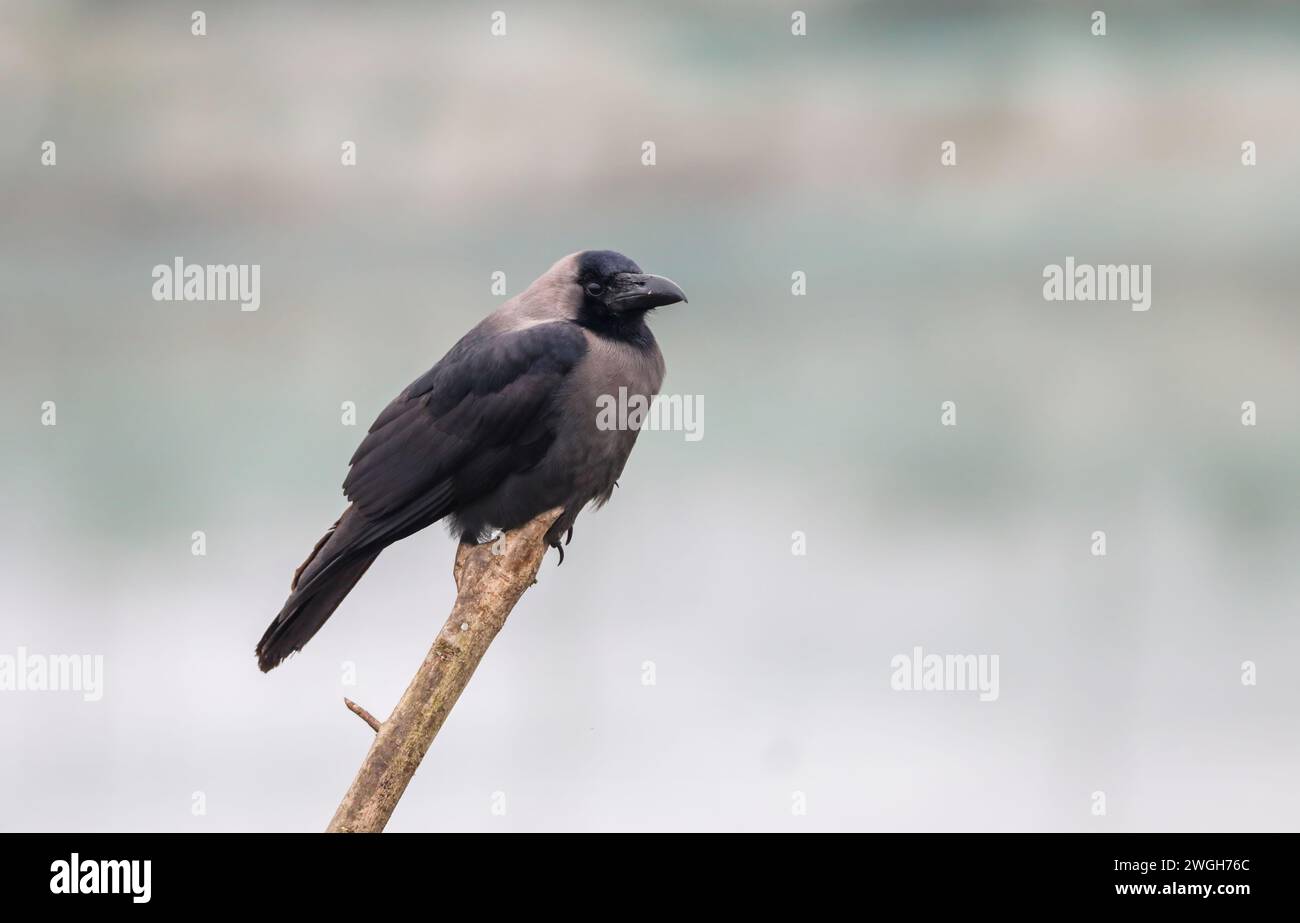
{"x": 490, "y": 578}
{"x": 362, "y": 714}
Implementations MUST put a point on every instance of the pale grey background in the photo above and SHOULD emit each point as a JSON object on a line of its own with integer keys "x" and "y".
{"x": 821, "y": 413}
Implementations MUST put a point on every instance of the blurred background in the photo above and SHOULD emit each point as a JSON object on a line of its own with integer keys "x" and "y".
{"x": 775, "y": 154}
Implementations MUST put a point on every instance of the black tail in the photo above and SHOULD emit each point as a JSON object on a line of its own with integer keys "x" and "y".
{"x": 319, "y": 585}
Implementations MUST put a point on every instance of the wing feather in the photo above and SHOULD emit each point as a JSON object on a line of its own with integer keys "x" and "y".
{"x": 480, "y": 414}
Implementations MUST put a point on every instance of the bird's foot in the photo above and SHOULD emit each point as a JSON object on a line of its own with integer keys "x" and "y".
{"x": 559, "y": 535}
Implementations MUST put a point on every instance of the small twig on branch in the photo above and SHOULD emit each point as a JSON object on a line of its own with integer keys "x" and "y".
{"x": 362, "y": 714}
{"x": 490, "y": 578}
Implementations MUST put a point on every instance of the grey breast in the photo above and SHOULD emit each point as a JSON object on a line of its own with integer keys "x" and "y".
{"x": 596, "y": 456}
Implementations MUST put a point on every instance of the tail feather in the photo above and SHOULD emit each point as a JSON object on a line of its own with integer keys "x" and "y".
{"x": 306, "y": 610}
{"x": 335, "y": 565}
{"x": 319, "y": 584}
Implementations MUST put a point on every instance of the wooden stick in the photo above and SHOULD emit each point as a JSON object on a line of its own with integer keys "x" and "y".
{"x": 362, "y": 714}
{"x": 490, "y": 578}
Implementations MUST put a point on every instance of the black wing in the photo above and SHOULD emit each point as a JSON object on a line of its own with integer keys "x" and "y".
{"x": 477, "y": 416}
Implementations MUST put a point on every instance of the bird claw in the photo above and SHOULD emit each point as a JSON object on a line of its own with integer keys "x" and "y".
{"x": 560, "y": 548}
{"x": 568, "y": 536}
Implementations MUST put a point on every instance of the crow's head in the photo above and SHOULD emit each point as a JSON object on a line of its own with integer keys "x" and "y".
{"x": 602, "y": 290}
{"x": 612, "y": 286}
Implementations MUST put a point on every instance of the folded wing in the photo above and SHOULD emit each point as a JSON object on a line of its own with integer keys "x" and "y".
{"x": 479, "y": 415}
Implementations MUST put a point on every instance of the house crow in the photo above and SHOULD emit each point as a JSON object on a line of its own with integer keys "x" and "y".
{"x": 503, "y": 428}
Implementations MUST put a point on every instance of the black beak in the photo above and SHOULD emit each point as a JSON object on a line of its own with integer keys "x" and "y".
{"x": 640, "y": 292}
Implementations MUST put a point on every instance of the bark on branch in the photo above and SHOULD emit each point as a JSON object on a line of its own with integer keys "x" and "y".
{"x": 490, "y": 578}
{"x": 362, "y": 714}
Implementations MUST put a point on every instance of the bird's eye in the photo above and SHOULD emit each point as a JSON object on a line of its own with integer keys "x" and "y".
{"x": 594, "y": 288}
